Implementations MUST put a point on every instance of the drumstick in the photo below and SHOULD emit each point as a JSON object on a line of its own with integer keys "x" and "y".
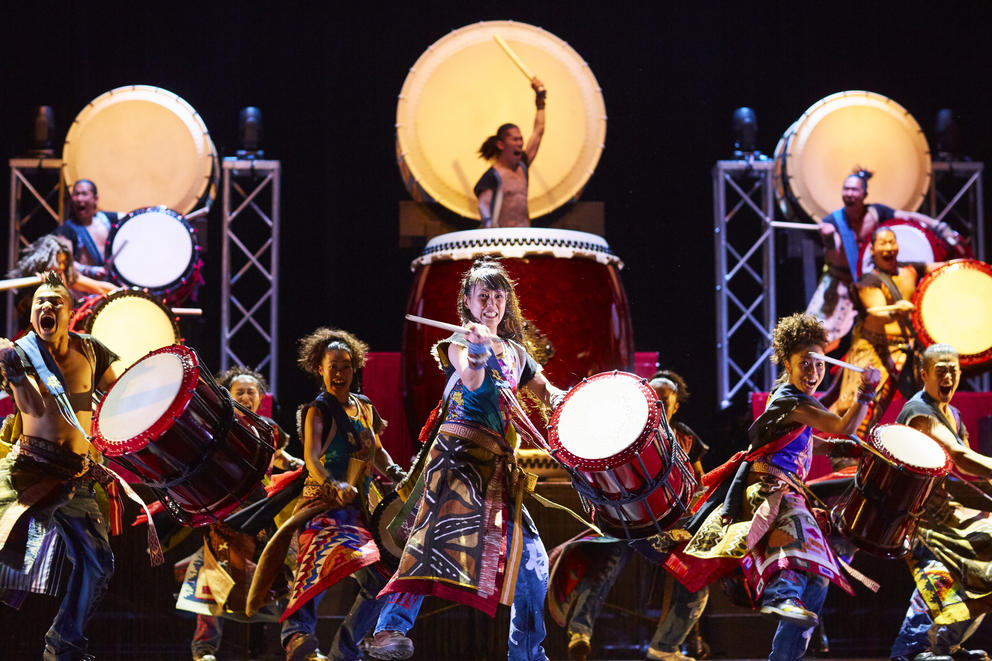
{"x": 197, "y": 213}
{"x": 513, "y": 56}
{"x": 437, "y": 324}
{"x": 17, "y": 283}
{"x": 187, "y": 312}
{"x": 834, "y": 361}
{"x": 110, "y": 260}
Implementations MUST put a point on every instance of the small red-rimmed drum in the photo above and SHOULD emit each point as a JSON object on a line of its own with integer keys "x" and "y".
{"x": 167, "y": 421}
{"x": 954, "y": 306}
{"x": 155, "y": 248}
{"x": 130, "y": 322}
{"x": 917, "y": 243}
{"x": 569, "y": 288}
{"x": 878, "y": 513}
{"x": 611, "y": 434}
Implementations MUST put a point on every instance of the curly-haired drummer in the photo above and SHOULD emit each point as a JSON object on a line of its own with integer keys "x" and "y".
{"x": 845, "y": 232}
{"x": 761, "y": 520}
{"x": 502, "y": 190}
{"x": 952, "y": 548}
{"x": 340, "y": 431}
{"x": 472, "y": 541}
{"x": 48, "y": 478}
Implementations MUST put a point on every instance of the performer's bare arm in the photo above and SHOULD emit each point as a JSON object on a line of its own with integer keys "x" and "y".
{"x": 111, "y": 374}
{"x": 89, "y": 285}
{"x": 27, "y": 397}
{"x": 878, "y": 307}
{"x": 472, "y": 378}
{"x": 831, "y": 423}
{"x": 534, "y": 142}
{"x": 485, "y": 204}
{"x": 544, "y": 391}
{"x": 964, "y": 458}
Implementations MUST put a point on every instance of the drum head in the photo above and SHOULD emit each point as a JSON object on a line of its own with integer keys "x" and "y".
{"x": 133, "y": 408}
{"x": 917, "y": 243}
{"x": 517, "y": 242}
{"x": 141, "y": 145}
{"x": 154, "y": 248}
{"x": 911, "y": 449}
{"x": 131, "y": 323}
{"x": 954, "y": 306}
{"x": 856, "y": 129}
{"x": 465, "y": 86}
{"x": 604, "y": 417}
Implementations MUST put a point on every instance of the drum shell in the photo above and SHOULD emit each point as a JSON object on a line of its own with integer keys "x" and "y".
{"x": 579, "y": 304}
{"x": 203, "y": 457}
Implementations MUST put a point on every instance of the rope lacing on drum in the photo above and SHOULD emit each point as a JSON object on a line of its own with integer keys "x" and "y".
{"x": 490, "y": 242}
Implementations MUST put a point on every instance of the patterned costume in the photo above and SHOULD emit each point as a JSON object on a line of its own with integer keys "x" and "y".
{"x": 951, "y": 558}
{"x": 472, "y": 541}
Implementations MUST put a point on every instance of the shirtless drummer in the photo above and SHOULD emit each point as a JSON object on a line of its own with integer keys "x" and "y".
{"x": 502, "y": 190}
{"x": 47, "y": 479}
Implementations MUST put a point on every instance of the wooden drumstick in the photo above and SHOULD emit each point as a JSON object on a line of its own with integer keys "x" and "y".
{"x": 117, "y": 253}
{"x": 437, "y": 324}
{"x": 17, "y": 283}
{"x": 834, "y": 361}
{"x": 187, "y": 312}
{"x": 513, "y": 56}
{"x": 196, "y": 214}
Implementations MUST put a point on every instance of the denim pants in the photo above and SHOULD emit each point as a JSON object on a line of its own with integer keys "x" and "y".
{"x": 527, "y": 629}
{"x": 207, "y": 636}
{"x": 594, "y": 587}
{"x": 356, "y": 625}
{"x": 918, "y": 632}
{"x": 675, "y": 624}
{"x": 791, "y": 640}
{"x": 84, "y": 532}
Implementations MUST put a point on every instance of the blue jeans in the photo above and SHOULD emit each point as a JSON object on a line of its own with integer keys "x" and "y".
{"x": 918, "y": 632}
{"x": 527, "y": 629}
{"x": 685, "y": 610}
{"x": 595, "y": 586}
{"x": 208, "y": 634}
{"x": 356, "y": 625}
{"x": 84, "y": 531}
{"x": 791, "y": 640}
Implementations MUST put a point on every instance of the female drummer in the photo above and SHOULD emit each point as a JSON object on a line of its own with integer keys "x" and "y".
{"x": 340, "y": 431}
{"x": 233, "y": 549}
{"x": 766, "y": 522}
{"x": 472, "y": 485}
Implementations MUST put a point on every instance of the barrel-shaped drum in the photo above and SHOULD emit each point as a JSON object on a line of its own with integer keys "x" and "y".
{"x": 569, "y": 288}
{"x": 954, "y": 306}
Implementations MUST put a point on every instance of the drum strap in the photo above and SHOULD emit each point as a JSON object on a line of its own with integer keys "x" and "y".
{"x": 51, "y": 376}
{"x": 84, "y": 237}
{"x": 847, "y": 238}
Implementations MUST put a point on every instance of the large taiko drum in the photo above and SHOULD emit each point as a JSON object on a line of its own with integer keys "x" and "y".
{"x": 131, "y": 322}
{"x": 142, "y": 146}
{"x": 917, "y": 243}
{"x": 156, "y": 249}
{"x": 610, "y": 432}
{"x": 167, "y": 421}
{"x": 569, "y": 288}
{"x": 465, "y": 86}
{"x": 954, "y": 306}
{"x": 879, "y": 511}
{"x": 844, "y": 131}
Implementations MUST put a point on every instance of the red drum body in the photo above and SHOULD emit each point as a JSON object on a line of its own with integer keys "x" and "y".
{"x": 611, "y": 433}
{"x": 570, "y": 291}
{"x": 167, "y": 421}
{"x": 954, "y": 306}
{"x": 917, "y": 243}
{"x": 878, "y": 513}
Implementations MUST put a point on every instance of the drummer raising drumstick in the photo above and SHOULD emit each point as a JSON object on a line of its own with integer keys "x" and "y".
{"x": 938, "y": 622}
{"x": 845, "y": 232}
{"x": 502, "y": 190}
{"x": 763, "y": 520}
{"x": 48, "y": 479}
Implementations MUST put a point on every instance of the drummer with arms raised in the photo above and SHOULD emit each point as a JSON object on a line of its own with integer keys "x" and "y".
{"x": 845, "y": 232}
{"x": 952, "y": 549}
{"x": 88, "y": 230}
{"x": 502, "y": 190}
{"x": 47, "y": 481}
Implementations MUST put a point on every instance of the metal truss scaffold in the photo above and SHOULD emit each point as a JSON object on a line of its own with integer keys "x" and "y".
{"x": 34, "y": 214}
{"x": 745, "y": 303}
{"x": 250, "y": 264}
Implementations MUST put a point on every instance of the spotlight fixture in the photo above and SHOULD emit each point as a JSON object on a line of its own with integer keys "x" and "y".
{"x": 744, "y": 125}
{"x": 250, "y": 133}
{"x": 42, "y": 132}
{"x": 947, "y": 136}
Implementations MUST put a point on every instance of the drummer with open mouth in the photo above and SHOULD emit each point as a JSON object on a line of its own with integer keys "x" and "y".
{"x": 47, "y": 480}
{"x": 761, "y": 519}
{"x": 88, "y": 229}
{"x": 952, "y": 549}
{"x": 472, "y": 541}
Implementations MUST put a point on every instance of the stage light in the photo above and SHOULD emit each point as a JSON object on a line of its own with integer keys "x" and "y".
{"x": 250, "y": 132}
{"x": 744, "y": 126}
{"x": 43, "y": 129}
{"x": 947, "y": 135}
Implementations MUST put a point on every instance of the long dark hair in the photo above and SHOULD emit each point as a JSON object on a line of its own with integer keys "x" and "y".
{"x": 489, "y": 150}
{"x": 489, "y": 273}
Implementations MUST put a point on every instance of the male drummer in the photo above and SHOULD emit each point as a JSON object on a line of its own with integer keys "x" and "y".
{"x": 884, "y": 339}
{"x": 502, "y": 190}
{"x": 88, "y": 230}
{"x": 844, "y": 233}
{"x": 47, "y": 480}
{"x": 952, "y": 549}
